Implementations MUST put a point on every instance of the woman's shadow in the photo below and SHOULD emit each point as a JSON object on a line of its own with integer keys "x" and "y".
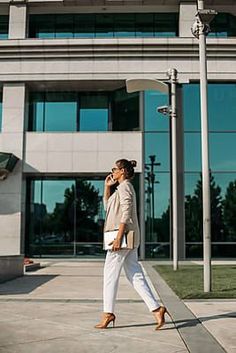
{"x": 183, "y": 322}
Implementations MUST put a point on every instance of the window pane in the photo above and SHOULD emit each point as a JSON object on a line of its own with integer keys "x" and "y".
{"x": 125, "y": 111}
{"x": 0, "y": 111}
{"x": 51, "y": 218}
{"x": 124, "y": 25}
{"x": 157, "y": 144}
{"x": 64, "y": 26}
{"x": 93, "y": 113}
{"x": 4, "y": 26}
{"x": 223, "y": 207}
{"x": 155, "y": 121}
{"x": 104, "y": 25}
{"x": 191, "y": 107}
{"x": 145, "y": 25}
{"x": 42, "y": 26}
{"x": 166, "y": 24}
{"x": 220, "y": 26}
{"x": 223, "y": 25}
{"x": 157, "y": 213}
{"x": 192, "y": 151}
{"x": 222, "y": 107}
{"x": 222, "y": 151}
{"x": 36, "y": 112}
{"x": 84, "y": 26}
{"x": 60, "y": 111}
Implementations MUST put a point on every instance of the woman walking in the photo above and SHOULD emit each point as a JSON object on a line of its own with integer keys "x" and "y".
{"x": 121, "y": 214}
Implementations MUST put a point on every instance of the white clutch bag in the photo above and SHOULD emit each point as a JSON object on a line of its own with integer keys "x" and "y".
{"x": 127, "y": 240}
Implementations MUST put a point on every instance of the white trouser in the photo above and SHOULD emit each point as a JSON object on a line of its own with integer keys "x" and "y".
{"x": 115, "y": 260}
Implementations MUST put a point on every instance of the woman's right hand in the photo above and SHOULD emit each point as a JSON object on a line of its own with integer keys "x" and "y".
{"x": 109, "y": 181}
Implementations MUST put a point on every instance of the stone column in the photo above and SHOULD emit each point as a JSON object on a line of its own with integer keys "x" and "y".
{"x": 187, "y": 12}
{"x": 11, "y": 189}
{"x": 17, "y": 20}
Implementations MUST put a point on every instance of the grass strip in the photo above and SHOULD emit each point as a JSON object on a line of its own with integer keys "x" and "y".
{"x": 187, "y": 281}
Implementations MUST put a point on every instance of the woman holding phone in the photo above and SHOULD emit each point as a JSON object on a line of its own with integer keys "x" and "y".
{"x": 121, "y": 214}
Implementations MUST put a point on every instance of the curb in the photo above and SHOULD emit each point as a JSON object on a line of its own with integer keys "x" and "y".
{"x": 194, "y": 335}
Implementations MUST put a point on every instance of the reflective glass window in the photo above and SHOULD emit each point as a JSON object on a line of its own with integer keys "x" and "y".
{"x": 64, "y": 26}
{"x": 223, "y": 207}
{"x": 79, "y": 111}
{"x": 0, "y": 111}
{"x": 125, "y": 111}
{"x": 93, "y": 112}
{"x": 53, "y": 111}
{"x": 166, "y": 24}
{"x": 157, "y": 194}
{"x": 42, "y": 26}
{"x": 157, "y": 144}
{"x": 50, "y": 223}
{"x": 192, "y": 151}
{"x": 84, "y": 25}
{"x": 124, "y": 25}
{"x": 191, "y": 107}
{"x": 222, "y": 151}
{"x": 223, "y": 25}
{"x": 221, "y": 107}
{"x": 4, "y": 19}
{"x": 65, "y": 216}
{"x": 104, "y": 25}
{"x": 144, "y": 25}
{"x": 155, "y": 121}
{"x": 37, "y": 112}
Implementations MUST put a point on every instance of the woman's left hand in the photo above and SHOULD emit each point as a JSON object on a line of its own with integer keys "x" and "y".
{"x": 116, "y": 245}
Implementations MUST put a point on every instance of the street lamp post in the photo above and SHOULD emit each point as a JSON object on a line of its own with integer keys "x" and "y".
{"x": 172, "y": 113}
{"x": 200, "y": 29}
{"x": 134, "y": 85}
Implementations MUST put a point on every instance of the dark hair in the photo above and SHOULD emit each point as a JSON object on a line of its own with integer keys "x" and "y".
{"x": 128, "y": 166}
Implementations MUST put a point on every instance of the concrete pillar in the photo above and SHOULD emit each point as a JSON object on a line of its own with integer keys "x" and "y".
{"x": 187, "y": 12}
{"x": 11, "y": 189}
{"x": 17, "y": 21}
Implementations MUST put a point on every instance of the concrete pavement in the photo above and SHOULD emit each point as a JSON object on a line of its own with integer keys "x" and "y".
{"x": 55, "y": 309}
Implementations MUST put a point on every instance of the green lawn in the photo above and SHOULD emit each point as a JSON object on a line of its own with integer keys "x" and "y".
{"x": 187, "y": 281}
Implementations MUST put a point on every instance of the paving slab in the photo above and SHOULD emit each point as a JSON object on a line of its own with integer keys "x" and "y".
{"x": 219, "y": 318}
{"x": 55, "y": 309}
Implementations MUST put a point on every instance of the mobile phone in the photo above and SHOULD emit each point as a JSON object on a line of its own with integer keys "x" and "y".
{"x": 112, "y": 179}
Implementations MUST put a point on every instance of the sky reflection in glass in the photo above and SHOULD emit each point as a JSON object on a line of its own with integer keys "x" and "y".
{"x": 158, "y": 144}
{"x": 223, "y": 151}
{"x": 155, "y": 121}
{"x": 221, "y": 106}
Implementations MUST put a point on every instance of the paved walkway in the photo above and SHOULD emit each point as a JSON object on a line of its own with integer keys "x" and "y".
{"x": 55, "y": 308}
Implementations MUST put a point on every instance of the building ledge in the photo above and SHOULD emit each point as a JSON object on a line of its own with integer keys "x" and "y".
{"x": 90, "y": 49}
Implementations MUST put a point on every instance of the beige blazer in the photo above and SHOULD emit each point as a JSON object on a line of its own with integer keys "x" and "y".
{"x": 121, "y": 208}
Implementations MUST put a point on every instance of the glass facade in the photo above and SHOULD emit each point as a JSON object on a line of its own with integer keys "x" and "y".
{"x": 0, "y": 111}
{"x": 65, "y": 216}
{"x": 222, "y": 143}
{"x": 223, "y": 25}
{"x": 157, "y": 177}
{"x": 107, "y": 25}
{"x": 4, "y": 19}
{"x": 89, "y": 111}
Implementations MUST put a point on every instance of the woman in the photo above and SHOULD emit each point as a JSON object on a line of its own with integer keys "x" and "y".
{"x": 121, "y": 214}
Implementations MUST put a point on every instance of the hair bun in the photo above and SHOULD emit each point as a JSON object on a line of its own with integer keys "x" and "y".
{"x": 133, "y": 163}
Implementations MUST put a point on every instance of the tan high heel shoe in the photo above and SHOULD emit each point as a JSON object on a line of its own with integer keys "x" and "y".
{"x": 162, "y": 310}
{"x": 107, "y": 318}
